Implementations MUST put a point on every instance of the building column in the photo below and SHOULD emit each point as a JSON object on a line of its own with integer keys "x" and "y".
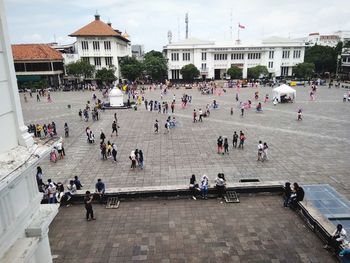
{"x": 23, "y": 137}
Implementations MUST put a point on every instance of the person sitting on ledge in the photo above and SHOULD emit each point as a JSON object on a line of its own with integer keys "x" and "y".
{"x": 194, "y": 187}
{"x": 297, "y": 195}
{"x": 100, "y": 189}
{"x": 338, "y": 238}
{"x": 220, "y": 185}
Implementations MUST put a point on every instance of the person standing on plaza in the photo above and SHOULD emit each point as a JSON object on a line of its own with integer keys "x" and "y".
{"x": 39, "y": 178}
{"x": 114, "y": 128}
{"x": 141, "y": 159}
{"x": 226, "y": 146}
{"x": 172, "y": 106}
{"x": 299, "y": 115}
{"x": 103, "y": 149}
{"x": 220, "y": 143}
{"x": 235, "y": 139}
{"x": 102, "y": 137}
{"x": 114, "y": 152}
{"x": 242, "y": 139}
{"x": 287, "y": 194}
{"x": 167, "y": 126}
{"x": 37, "y": 97}
{"x": 80, "y": 113}
{"x": 194, "y": 116}
{"x": 204, "y": 186}
{"x": 88, "y": 206}
{"x": 132, "y": 158}
{"x": 260, "y": 151}
{"x": 100, "y": 189}
{"x": 200, "y": 113}
{"x": 265, "y": 149}
{"x": 66, "y": 130}
{"x": 242, "y": 109}
{"x": 156, "y": 127}
{"x": 115, "y": 117}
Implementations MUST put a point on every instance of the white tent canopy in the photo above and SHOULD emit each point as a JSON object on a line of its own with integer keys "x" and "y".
{"x": 284, "y": 91}
{"x": 116, "y": 97}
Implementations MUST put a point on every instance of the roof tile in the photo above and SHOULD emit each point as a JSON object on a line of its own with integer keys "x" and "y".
{"x": 30, "y": 52}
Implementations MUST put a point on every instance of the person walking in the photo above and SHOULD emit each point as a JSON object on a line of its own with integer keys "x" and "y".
{"x": 226, "y": 145}
{"x": 242, "y": 110}
{"x": 242, "y": 139}
{"x": 88, "y": 206}
{"x": 114, "y": 152}
{"x": 200, "y": 113}
{"x": 260, "y": 151}
{"x": 66, "y": 130}
{"x": 194, "y": 116}
{"x": 220, "y": 143}
{"x": 235, "y": 139}
{"x": 114, "y": 128}
{"x": 102, "y": 137}
{"x": 299, "y": 115}
{"x": 156, "y": 127}
{"x": 264, "y": 154}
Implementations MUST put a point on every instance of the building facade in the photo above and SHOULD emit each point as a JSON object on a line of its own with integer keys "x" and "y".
{"x": 138, "y": 52}
{"x": 35, "y": 62}
{"x": 101, "y": 45}
{"x": 213, "y": 60}
{"x": 24, "y": 222}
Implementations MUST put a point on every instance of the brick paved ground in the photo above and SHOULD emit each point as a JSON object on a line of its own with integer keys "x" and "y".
{"x": 258, "y": 229}
{"x": 315, "y": 150}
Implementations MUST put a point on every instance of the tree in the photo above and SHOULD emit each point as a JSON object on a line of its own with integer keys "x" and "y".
{"x": 106, "y": 75}
{"x": 80, "y": 69}
{"x": 189, "y": 72}
{"x": 257, "y": 72}
{"x": 131, "y": 68}
{"x": 155, "y": 65}
{"x": 234, "y": 72}
{"x": 324, "y": 58}
{"x": 304, "y": 70}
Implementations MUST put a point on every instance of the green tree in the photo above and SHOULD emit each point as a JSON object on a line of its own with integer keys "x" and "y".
{"x": 304, "y": 70}
{"x": 234, "y": 72}
{"x": 80, "y": 69}
{"x": 131, "y": 68}
{"x": 257, "y": 72}
{"x": 155, "y": 65}
{"x": 106, "y": 75}
{"x": 189, "y": 72}
{"x": 324, "y": 58}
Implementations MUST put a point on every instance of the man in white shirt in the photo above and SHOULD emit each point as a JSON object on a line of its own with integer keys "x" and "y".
{"x": 260, "y": 150}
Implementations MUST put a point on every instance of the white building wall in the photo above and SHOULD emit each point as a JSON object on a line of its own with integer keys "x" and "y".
{"x": 245, "y": 63}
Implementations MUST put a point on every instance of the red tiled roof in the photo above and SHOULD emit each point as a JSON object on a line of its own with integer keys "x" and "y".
{"x": 30, "y": 52}
{"x": 95, "y": 28}
{"x": 98, "y": 28}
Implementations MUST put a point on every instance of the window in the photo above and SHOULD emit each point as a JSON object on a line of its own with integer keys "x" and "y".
{"x": 204, "y": 56}
{"x": 254, "y": 55}
{"x": 296, "y": 53}
{"x": 175, "y": 56}
{"x": 220, "y": 56}
{"x": 85, "y": 45}
{"x": 96, "y": 45}
{"x": 109, "y": 61}
{"x": 204, "y": 66}
{"x": 271, "y": 54}
{"x": 107, "y": 45}
{"x": 271, "y": 64}
{"x": 284, "y": 71}
{"x": 285, "y": 53}
{"x": 237, "y": 56}
{"x": 186, "y": 56}
{"x": 175, "y": 74}
{"x": 97, "y": 61}
{"x": 85, "y": 59}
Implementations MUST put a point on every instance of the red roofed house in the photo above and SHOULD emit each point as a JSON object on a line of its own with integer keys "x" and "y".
{"x": 35, "y": 62}
{"x": 101, "y": 45}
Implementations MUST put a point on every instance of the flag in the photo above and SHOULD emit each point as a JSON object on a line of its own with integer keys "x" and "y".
{"x": 241, "y": 26}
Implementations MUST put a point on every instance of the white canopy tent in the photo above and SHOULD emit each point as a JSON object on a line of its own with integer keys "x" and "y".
{"x": 284, "y": 91}
{"x": 116, "y": 97}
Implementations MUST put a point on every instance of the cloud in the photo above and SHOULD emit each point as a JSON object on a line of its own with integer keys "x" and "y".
{"x": 149, "y": 21}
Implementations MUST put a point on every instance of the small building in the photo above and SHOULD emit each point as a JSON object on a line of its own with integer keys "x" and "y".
{"x": 116, "y": 97}
{"x": 101, "y": 45}
{"x": 35, "y": 62}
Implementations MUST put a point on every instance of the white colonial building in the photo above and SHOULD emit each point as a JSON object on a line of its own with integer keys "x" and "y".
{"x": 24, "y": 222}
{"x": 213, "y": 59}
{"x": 101, "y": 45}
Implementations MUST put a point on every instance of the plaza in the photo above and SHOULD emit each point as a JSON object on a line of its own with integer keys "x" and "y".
{"x": 314, "y": 150}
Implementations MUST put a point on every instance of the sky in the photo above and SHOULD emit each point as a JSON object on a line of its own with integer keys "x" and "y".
{"x": 148, "y": 21}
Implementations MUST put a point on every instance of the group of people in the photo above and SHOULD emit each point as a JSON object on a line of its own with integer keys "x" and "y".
{"x": 223, "y": 144}
{"x": 137, "y": 159}
{"x": 262, "y": 151}
{"x": 203, "y": 186}
{"x": 49, "y": 130}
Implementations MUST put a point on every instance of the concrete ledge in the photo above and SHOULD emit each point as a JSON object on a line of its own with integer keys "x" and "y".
{"x": 41, "y": 221}
{"x": 180, "y": 190}
{"x": 21, "y": 251}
